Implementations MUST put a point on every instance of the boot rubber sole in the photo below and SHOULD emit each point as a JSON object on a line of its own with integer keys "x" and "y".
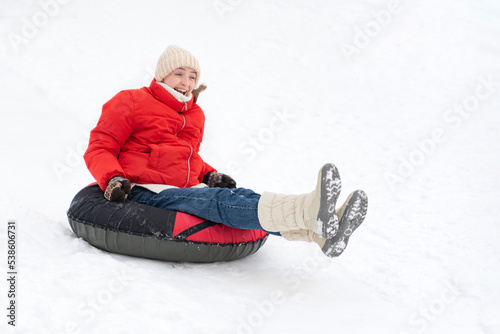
{"x": 351, "y": 218}
{"x": 329, "y": 184}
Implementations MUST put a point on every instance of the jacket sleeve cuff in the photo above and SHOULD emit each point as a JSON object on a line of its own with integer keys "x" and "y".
{"x": 206, "y": 169}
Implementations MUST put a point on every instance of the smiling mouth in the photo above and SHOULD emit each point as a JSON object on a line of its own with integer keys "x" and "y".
{"x": 182, "y": 91}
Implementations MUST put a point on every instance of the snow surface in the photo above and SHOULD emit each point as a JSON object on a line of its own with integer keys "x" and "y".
{"x": 410, "y": 116}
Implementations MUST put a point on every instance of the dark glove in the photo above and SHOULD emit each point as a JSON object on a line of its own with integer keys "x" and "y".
{"x": 219, "y": 180}
{"x": 117, "y": 188}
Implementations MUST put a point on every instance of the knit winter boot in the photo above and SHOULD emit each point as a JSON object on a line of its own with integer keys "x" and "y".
{"x": 314, "y": 211}
{"x": 351, "y": 215}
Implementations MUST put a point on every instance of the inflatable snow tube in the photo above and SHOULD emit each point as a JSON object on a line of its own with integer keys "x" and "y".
{"x": 131, "y": 228}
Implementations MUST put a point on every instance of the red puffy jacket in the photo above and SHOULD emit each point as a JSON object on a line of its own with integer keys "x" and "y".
{"x": 148, "y": 137}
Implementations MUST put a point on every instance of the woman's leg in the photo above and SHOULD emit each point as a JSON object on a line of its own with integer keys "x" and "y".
{"x": 232, "y": 207}
{"x": 308, "y": 217}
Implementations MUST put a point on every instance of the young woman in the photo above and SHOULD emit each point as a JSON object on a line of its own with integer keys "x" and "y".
{"x": 145, "y": 147}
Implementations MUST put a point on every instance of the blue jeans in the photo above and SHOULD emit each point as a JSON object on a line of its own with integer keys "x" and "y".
{"x": 232, "y": 207}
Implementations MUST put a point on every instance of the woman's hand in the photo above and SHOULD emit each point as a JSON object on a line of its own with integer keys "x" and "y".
{"x": 219, "y": 180}
{"x": 117, "y": 188}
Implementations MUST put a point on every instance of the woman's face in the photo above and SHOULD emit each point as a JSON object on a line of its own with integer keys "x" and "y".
{"x": 182, "y": 79}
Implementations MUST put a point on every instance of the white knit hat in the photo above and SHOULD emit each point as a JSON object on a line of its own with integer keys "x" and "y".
{"x": 172, "y": 58}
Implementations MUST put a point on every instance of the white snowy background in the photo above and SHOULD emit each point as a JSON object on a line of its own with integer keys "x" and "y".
{"x": 403, "y": 96}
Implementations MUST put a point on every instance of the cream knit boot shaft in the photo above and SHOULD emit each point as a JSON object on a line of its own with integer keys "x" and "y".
{"x": 314, "y": 211}
{"x": 279, "y": 212}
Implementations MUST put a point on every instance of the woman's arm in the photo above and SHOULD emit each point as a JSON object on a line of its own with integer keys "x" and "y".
{"x": 107, "y": 138}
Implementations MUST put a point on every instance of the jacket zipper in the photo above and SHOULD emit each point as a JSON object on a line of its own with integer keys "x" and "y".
{"x": 189, "y": 165}
{"x": 191, "y": 154}
{"x": 183, "y": 118}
